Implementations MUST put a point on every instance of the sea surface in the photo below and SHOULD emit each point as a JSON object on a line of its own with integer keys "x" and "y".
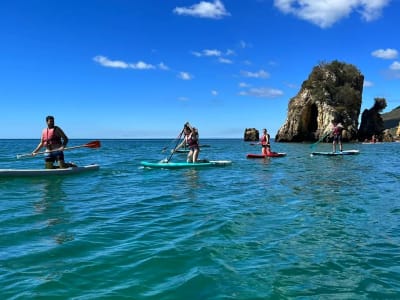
{"x": 294, "y": 227}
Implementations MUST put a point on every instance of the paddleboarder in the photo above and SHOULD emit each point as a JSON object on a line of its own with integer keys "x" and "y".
{"x": 337, "y": 129}
{"x": 54, "y": 140}
{"x": 191, "y": 140}
{"x": 265, "y": 143}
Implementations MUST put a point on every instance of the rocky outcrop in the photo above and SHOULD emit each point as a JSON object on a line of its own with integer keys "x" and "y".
{"x": 372, "y": 121}
{"x": 251, "y": 135}
{"x": 331, "y": 92}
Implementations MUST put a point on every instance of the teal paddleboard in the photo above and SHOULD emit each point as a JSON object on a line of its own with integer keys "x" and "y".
{"x": 185, "y": 165}
{"x": 346, "y": 152}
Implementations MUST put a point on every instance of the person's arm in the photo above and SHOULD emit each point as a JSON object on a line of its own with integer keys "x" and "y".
{"x": 41, "y": 144}
{"x": 180, "y": 145}
{"x": 63, "y": 137}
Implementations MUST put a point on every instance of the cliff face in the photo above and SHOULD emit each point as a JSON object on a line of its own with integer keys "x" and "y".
{"x": 331, "y": 92}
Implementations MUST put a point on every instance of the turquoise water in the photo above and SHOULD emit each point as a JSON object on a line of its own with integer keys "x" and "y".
{"x": 296, "y": 227}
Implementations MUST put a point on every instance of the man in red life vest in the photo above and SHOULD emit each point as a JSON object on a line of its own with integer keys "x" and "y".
{"x": 55, "y": 140}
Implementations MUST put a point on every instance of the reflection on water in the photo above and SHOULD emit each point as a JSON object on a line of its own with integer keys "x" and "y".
{"x": 50, "y": 205}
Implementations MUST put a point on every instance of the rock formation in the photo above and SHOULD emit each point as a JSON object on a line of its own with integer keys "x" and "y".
{"x": 331, "y": 92}
{"x": 251, "y": 135}
{"x": 372, "y": 122}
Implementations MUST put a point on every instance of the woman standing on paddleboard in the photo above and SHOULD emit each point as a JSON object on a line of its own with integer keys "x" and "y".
{"x": 265, "y": 143}
{"x": 191, "y": 140}
{"x": 55, "y": 140}
{"x": 337, "y": 135}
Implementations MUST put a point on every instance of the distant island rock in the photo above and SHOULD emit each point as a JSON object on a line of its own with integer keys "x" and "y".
{"x": 332, "y": 92}
{"x": 251, "y": 135}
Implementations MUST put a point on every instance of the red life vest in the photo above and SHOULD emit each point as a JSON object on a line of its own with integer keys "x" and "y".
{"x": 264, "y": 140}
{"x": 50, "y": 137}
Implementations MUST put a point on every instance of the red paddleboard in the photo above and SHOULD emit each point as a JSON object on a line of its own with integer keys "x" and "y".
{"x": 272, "y": 154}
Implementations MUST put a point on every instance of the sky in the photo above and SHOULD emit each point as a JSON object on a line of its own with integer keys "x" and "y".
{"x": 142, "y": 68}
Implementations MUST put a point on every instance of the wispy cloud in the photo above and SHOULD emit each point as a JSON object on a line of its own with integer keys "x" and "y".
{"x": 119, "y": 64}
{"x": 212, "y": 53}
{"x": 395, "y": 66}
{"x": 163, "y": 66}
{"x": 214, "y": 93}
{"x": 216, "y": 53}
{"x": 105, "y": 62}
{"x": 262, "y": 92}
{"x": 185, "y": 76}
{"x": 259, "y": 74}
{"x": 204, "y": 9}
{"x": 385, "y": 53}
{"x": 223, "y": 60}
{"x": 243, "y": 85}
{"x": 368, "y": 83}
{"x": 326, "y": 13}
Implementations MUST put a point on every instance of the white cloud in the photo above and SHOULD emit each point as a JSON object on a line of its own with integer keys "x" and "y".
{"x": 214, "y": 93}
{"x": 105, "y": 62}
{"x": 185, "y": 76}
{"x": 243, "y": 84}
{"x": 212, "y": 52}
{"x": 262, "y": 92}
{"x": 385, "y": 53}
{"x": 368, "y": 83}
{"x": 204, "y": 9}
{"x": 119, "y": 64}
{"x": 395, "y": 66}
{"x": 215, "y": 53}
{"x": 259, "y": 74}
{"x": 163, "y": 66}
{"x": 141, "y": 66}
{"x": 224, "y": 60}
{"x": 327, "y": 12}
{"x": 207, "y": 52}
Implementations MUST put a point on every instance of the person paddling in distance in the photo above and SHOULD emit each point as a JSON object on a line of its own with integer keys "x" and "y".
{"x": 265, "y": 143}
{"x": 337, "y": 129}
{"x": 54, "y": 140}
{"x": 190, "y": 140}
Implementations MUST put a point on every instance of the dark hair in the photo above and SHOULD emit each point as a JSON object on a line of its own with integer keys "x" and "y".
{"x": 49, "y": 117}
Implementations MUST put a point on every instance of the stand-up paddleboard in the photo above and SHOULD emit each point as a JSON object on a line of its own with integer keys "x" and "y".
{"x": 346, "y": 152}
{"x": 272, "y": 154}
{"x": 183, "y": 165}
{"x": 46, "y": 172}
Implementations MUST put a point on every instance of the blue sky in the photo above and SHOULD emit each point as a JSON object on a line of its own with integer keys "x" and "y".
{"x": 142, "y": 68}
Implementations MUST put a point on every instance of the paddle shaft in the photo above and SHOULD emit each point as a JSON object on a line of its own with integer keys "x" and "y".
{"x": 176, "y": 145}
{"x": 93, "y": 144}
{"x": 321, "y": 139}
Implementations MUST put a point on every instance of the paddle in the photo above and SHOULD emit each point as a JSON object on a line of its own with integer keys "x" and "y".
{"x": 176, "y": 145}
{"x": 170, "y": 143}
{"x": 93, "y": 144}
{"x": 321, "y": 139}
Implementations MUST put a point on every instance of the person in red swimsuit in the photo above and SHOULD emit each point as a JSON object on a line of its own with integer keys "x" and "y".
{"x": 265, "y": 143}
{"x": 337, "y": 128}
{"x": 55, "y": 140}
{"x": 191, "y": 140}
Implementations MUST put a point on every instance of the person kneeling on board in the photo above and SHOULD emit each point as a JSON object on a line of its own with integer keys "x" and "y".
{"x": 55, "y": 140}
{"x": 191, "y": 139}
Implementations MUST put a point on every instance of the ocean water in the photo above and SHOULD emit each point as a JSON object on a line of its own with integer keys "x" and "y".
{"x": 295, "y": 227}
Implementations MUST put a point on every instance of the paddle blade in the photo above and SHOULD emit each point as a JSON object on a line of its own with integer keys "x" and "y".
{"x": 94, "y": 144}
